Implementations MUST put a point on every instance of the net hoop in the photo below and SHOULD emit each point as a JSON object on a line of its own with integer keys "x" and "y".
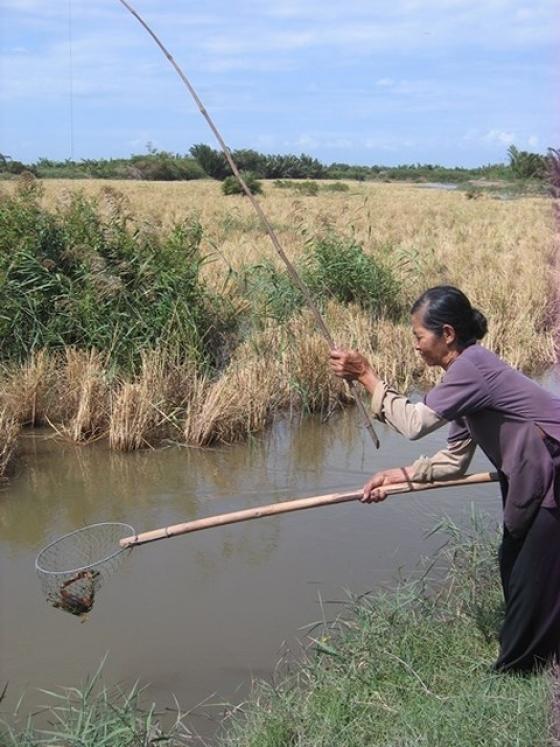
{"x": 88, "y": 566}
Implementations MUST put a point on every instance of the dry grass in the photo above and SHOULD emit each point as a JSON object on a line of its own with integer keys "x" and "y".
{"x": 28, "y": 389}
{"x": 84, "y": 390}
{"x": 138, "y": 408}
{"x": 499, "y": 252}
{"x": 9, "y": 431}
{"x": 240, "y": 402}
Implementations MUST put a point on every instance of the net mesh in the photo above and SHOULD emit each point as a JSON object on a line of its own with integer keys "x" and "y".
{"x": 73, "y": 568}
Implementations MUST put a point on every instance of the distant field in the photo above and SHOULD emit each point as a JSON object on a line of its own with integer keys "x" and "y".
{"x": 498, "y": 251}
{"x": 245, "y": 348}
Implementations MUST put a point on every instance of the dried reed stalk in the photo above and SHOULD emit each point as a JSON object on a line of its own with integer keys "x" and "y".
{"x": 9, "y": 431}
{"x": 143, "y": 411}
{"x": 133, "y": 413}
{"x": 239, "y": 403}
{"x": 132, "y": 417}
{"x": 80, "y": 409}
{"x": 30, "y": 388}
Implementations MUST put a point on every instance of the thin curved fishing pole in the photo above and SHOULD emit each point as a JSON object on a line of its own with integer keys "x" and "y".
{"x": 368, "y": 422}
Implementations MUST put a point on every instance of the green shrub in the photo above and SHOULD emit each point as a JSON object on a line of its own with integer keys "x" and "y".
{"x": 271, "y": 292}
{"x": 332, "y": 267}
{"x": 76, "y": 278}
{"x": 231, "y": 185}
{"x": 340, "y": 268}
{"x": 306, "y": 188}
{"x": 336, "y": 187}
{"x": 164, "y": 167}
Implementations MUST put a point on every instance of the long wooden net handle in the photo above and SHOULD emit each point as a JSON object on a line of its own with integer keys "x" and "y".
{"x": 297, "y": 505}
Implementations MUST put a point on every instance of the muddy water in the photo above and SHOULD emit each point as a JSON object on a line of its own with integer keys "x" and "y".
{"x": 201, "y": 615}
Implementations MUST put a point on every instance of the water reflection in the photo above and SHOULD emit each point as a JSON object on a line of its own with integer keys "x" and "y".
{"x": 60, "y": 487}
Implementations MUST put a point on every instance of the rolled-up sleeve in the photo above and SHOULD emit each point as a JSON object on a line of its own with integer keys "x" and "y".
{"x": 445, "y": 464}
{"x": 411, "y": 419}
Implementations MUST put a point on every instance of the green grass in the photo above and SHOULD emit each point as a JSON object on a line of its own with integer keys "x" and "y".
{"x": 96, "y": 716}
{"x": 410, "y": 668}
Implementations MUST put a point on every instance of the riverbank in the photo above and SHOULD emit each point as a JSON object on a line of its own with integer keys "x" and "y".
{"x": 410, "y": 667}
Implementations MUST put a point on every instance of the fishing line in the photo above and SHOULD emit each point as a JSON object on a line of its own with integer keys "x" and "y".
{"x": 321, "y": 324}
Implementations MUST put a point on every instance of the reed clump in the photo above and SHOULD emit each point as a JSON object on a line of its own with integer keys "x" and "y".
{"x": 83, "y": 391}
{"x": 83, "y": 276}
{"x": 29, "y": 387}
{"x": 146, "y": 409}
{"x": 237, "y": 404}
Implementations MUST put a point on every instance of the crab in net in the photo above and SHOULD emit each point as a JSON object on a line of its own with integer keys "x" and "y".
{"x": 77, "y": 594}
{"x": 73, "y": 568}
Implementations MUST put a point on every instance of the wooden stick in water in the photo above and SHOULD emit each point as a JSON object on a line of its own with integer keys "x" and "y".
{"x": 297, "y": 505}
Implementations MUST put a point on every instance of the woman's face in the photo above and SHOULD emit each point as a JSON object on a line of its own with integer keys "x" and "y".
{"x": 435, "y": 350}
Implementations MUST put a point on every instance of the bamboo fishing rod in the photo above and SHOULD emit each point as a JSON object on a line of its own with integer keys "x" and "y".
{"x": 293, "y": 273}
{"x": 300, "y": 504}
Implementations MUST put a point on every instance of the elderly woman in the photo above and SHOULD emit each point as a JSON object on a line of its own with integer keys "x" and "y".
{"x": 517, "y": 425}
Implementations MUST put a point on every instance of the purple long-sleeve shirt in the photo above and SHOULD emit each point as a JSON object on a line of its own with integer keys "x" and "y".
{"x": 510, "y": 417}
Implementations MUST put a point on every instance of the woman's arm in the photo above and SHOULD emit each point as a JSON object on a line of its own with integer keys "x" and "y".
{"x": 446, "y": 464}
{"x": 412, "y": 420}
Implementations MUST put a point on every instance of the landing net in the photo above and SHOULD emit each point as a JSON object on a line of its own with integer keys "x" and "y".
{"x": 73, "y": 568}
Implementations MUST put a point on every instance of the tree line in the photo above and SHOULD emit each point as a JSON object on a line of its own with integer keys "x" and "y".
{"x": 202, "y": 162}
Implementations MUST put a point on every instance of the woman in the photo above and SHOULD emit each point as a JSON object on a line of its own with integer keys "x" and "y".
{"x": 517, "y": 425}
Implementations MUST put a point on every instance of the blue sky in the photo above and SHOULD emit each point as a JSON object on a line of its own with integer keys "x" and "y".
{"x": 400, "y": 81}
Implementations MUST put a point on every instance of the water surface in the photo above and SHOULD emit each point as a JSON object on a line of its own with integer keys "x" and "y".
{"x": 201, "y": 615}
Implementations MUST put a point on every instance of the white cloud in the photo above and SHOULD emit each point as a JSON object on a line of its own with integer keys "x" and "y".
{"x": 385, "y": 142}
{"x": 533, "y": 141}
{"x": 500, "y": 136}
{"x": 306, "y": 141}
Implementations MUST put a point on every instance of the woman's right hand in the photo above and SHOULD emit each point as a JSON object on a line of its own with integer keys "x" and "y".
{"x": 373, "y": 489}
{"x": 353, "y": 366}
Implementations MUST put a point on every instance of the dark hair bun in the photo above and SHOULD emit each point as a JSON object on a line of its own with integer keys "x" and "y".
{"x": 479, "y": 324}
{"x": 445, "y": 304}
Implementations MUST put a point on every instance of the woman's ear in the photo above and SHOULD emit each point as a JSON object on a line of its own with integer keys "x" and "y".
{"x": 449, "y": 334}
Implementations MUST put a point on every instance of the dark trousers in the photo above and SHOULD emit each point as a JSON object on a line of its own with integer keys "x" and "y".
{"x": 530, "y": 571}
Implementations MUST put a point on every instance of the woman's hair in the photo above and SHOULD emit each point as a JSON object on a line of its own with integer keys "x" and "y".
{"x": 445, "y": 304}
